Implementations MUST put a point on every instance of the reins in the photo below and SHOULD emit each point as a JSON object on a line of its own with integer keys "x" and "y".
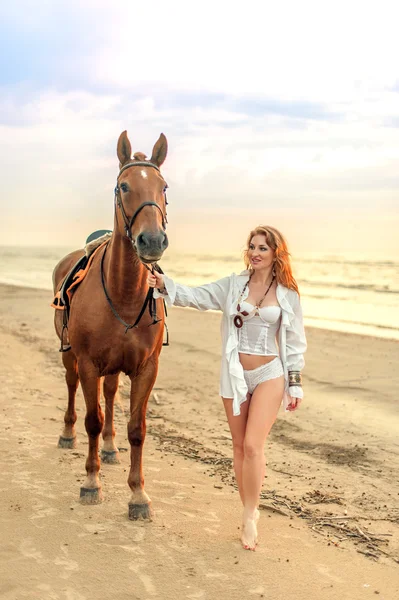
{"x": 149, "y": 301}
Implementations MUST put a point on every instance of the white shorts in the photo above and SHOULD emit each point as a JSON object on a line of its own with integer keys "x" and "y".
{"x": 271, "y": 370}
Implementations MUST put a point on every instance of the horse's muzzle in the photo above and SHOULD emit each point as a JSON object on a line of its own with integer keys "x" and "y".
{"x": 151, "y": 246}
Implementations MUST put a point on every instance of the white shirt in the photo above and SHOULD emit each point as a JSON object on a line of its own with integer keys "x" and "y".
{"x": 223, "y": 295}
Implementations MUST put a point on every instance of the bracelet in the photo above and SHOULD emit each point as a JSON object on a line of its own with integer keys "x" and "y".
{"x": 294, "y": 378}
{"x": 163, "y": 292}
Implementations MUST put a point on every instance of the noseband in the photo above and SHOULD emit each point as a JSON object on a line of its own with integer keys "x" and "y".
{"x": 118, "y": 200}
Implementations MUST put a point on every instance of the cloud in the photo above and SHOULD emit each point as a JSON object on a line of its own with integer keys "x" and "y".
{"x": 286, "y": 106}
{"x": 285, "y": 50}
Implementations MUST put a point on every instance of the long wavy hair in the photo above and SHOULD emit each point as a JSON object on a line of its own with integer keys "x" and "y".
{"x": 282, "y": 265}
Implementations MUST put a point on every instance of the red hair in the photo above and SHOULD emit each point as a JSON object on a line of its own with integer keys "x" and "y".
{"x": 282, "y": 265}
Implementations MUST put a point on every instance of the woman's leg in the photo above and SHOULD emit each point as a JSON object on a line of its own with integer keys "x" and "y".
{"x": 265, "y": 403}
{"x": 237, "y": 428}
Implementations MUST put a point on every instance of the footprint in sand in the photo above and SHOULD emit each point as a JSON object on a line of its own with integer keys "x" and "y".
{"x": 172, "y": 484}
{"x": 64, "y": 561}
{"x": 47, "y": 592}
{"x": 212, "y": 516}
{"x": 96, "y": 529}
{"x": 138, "y": 567}
{"x": 73, "y": 595}
{"x": 259, "y": 590}
{"x": 325, "y": 570}
{"x": 28, "y": 550}
{"x": 211, "y": 531}
{"x": 217, "y": 575}
{"x": 132, "y": 549}
{"x": 42, "y": 511}
{"x": 188, "y": 514}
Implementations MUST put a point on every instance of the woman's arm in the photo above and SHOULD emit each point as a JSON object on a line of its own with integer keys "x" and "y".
{"x": 296, "y": 348}
{"x": 204, "y": 297}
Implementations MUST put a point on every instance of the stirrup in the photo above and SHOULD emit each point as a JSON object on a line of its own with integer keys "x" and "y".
{"x": 65, "y": 348}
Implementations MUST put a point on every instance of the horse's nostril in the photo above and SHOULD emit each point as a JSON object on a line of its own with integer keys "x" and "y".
{"x": 141, "y": 240}
{"x": 165, "y": 242}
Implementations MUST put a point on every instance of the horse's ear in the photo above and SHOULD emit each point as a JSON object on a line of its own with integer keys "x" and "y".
{"x": 123, "y": 149}
{"x": 160, "y": 151}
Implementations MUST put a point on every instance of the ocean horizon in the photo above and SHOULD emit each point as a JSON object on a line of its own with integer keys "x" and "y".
{"x": 339, "y": 292}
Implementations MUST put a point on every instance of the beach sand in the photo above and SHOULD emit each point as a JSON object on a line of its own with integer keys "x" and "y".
{"x": 329, "y": 527}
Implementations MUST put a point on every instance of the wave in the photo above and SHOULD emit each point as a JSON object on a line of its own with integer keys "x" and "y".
{"x": 348, "y": 262}
{"x": 364, "y": 287}
{"x": 328, "y": 260}
{"x": 187, "y": 275}
{"x": 215, "y": 258}
{"x": 345, "y": 322}
{"x": 25, "y": 283}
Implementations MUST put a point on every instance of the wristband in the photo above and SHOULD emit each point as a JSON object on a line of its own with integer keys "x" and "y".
{"x": 294, "y": 378}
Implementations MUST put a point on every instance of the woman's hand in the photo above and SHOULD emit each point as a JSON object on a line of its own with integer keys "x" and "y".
{"x": 294, "y": 404}
{"x": 155, "y": 280}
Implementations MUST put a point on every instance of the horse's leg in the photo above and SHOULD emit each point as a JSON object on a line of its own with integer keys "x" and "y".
{"x": 109, "y": 452}
{"x": 140, "y": 503}
{"x": 68, "y": 437}
{"x": 90, "y": 492}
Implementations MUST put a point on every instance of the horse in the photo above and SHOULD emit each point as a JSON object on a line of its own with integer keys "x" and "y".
{"x": 103, "y": 332}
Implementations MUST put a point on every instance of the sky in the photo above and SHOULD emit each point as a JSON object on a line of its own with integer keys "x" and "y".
{"x": 284, "y": 114}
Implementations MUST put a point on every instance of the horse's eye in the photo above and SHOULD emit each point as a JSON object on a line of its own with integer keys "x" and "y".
{"x": 124, "y": 187}
{"x": 165, "y": 188}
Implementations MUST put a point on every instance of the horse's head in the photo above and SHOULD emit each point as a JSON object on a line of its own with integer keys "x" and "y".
{"x": 141, "y": 198}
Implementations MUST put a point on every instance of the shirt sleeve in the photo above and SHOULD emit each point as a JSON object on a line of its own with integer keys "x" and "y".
{"x": 204, "y": 297}
{"x": 296, "y": 346}
{"x": 296, "y": 339}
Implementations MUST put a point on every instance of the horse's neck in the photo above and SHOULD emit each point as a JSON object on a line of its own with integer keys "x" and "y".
{"x": 125, "y": 274}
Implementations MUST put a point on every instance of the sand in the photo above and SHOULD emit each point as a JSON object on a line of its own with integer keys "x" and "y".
{"x": 329, "y": 527}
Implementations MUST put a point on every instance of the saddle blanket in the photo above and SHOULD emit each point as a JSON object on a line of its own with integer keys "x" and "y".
{"x": 75, "y": 276}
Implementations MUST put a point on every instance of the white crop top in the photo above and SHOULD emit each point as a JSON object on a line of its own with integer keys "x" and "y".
{"x": 259, "y": 330}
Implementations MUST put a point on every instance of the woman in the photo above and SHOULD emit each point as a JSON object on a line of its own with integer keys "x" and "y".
{"x": 260, "y": 306}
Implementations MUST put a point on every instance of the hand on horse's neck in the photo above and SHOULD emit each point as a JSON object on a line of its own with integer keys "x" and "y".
{"x": 125, "y": 273}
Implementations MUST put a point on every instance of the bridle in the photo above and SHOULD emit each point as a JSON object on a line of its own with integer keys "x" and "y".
{"x": 118, "y": 201}
{"x": 149, "y": 301}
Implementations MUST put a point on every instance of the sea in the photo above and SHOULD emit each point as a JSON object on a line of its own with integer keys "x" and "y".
{"x": 348, "y": 293}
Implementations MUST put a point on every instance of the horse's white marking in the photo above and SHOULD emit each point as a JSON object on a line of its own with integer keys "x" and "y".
{"x": 143, "y": 174}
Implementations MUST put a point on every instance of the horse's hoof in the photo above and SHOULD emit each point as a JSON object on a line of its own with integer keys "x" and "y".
{"x": 68, "y": 443}
{"x": 110, "y": 457}
{"x": 90, "y": 495}
{"x": 140, "y": 511}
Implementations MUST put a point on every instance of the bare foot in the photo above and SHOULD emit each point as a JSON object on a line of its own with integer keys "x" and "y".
{"x": 249, "y": 537}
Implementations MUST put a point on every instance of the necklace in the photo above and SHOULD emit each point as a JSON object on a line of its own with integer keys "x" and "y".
{"x": 238, "y": 322}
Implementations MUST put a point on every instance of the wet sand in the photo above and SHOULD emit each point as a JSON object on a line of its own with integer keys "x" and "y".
{"x": 329, "y": 527}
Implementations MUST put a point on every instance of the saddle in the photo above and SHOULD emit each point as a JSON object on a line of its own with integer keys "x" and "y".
{"x": 62, "y": 299}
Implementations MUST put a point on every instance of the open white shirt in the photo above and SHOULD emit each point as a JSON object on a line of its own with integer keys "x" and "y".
{"x": 223, "y": 295}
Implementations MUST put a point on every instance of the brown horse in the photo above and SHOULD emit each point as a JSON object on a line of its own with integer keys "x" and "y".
{"x": 101, "y": 346}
